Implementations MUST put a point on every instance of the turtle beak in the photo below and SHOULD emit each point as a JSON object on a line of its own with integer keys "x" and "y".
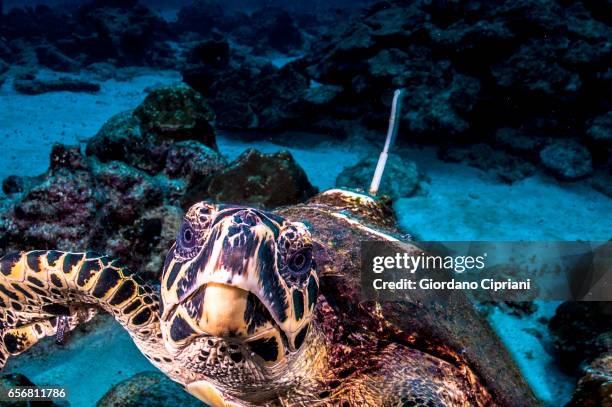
{"x": 238, "y": 316}
{"x": 223, "y": 310}
{"x": 227, "y": 311}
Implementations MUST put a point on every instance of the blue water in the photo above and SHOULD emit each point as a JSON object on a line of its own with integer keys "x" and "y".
{"x": 457, "y": 201}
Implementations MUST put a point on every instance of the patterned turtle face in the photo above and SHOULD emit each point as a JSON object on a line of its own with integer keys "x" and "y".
{"x": 238, "y": 281}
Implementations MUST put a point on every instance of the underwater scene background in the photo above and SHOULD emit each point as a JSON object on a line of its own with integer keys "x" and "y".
{"x": 116, "y": 116}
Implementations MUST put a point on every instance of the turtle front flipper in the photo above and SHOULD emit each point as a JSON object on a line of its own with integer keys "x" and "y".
{"x": 43, "y": 293}
{"x": 18, "y": 339}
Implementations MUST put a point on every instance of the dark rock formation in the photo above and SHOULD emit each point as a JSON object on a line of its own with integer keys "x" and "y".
{"x": 320, "y": 96}
{"x": 144, "y": 138}
{"x": 122, "y": 197}
{"x": 178, "y": 113}
{"x": 267, "y": 180}
{"x": 595, "y": 387}
{"x": 200, "y": 16}
{"x": 35, "y": 22}
{"x": 600, "y": 129}
{"x": 192, "y": 161}
{"x": 401, "y": 178}
{"x": 70, "y": 36}
{"x": 582, "y": 339}
{"x": 126, "y": 32}
{"x": 599, "y": 137}
{"x": 581, "y": 332}
{"x": 51, "y": 57}
{"x": 244, "y": 92}
{"x": 534, "y": 69}
{"x": 38, "y": 86}
{"x": 265, "y": 29}
{"x": 520, "y": 143}
{"x": 120, "y": 139}
{"x": 81, "y": 204}
{"x": 126, "y": 192}
{"x": 270, "y": 28}
{"x": 15, "y": 183}
{"x": 3, "y": 66}
{"x": 567, "y": 159}
{"x": 471, "y": 69}
{"x": 147, "y": 389}
{"x": 56, "y": 206}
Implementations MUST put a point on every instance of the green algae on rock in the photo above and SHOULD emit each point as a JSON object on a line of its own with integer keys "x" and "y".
{"x": 179, "y": 113}
{"x": 268, "y": 180}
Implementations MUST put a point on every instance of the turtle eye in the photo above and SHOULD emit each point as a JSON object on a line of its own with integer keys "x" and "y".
{"x": 300, "y": 261}
{"x": 187, "y": 238}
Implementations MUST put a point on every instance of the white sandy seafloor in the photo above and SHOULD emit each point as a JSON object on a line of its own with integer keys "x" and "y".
{"x": 461, "y": 203}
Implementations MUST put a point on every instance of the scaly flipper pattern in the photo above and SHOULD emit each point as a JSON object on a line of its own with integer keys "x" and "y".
{"x": 41, "y": 290}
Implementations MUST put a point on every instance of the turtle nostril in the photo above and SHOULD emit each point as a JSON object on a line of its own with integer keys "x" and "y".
{"x": 246, "y": 218}
{"x": 250, "y": 219}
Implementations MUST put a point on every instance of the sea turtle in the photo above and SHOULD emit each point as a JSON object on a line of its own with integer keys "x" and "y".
{"x": 261, "y": 308}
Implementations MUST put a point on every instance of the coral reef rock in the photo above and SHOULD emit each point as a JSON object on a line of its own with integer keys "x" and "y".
{"x": 581, "y": 331}
{"x": 147, "y": 389}
{"x": 567, "y": 160}
{"x": 148, "y": 137}
{"x": 244, "y": 92}
{"x": 269, "y": 28}
{"x": 600, "y": 129}
{"x": 177, "y": 112}
{"x": 200, "y": 16}
{"x": 126, "y": 32}
{"x": 84, "y": 204}
{"x": 529, "y": 79}
{"x": 51, "y": 57}
{"x": 120, "y": 139}
{"x": 123, "y": 197}
{"x": 401, "y": 178}
{"x": 602, "y": 182}
{"x": 470, "y": 70}
{"x": 192, "y": 161}
{"x": 595, "y": 387}
{"x": 269, "y": 180}
{"x": 264, "y": 29}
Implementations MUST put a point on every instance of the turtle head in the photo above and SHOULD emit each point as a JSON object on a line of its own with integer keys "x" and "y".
{"x": 238, "y": 286}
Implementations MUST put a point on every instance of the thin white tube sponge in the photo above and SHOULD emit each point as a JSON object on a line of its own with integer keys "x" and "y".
{"x": 394, "y": 120}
